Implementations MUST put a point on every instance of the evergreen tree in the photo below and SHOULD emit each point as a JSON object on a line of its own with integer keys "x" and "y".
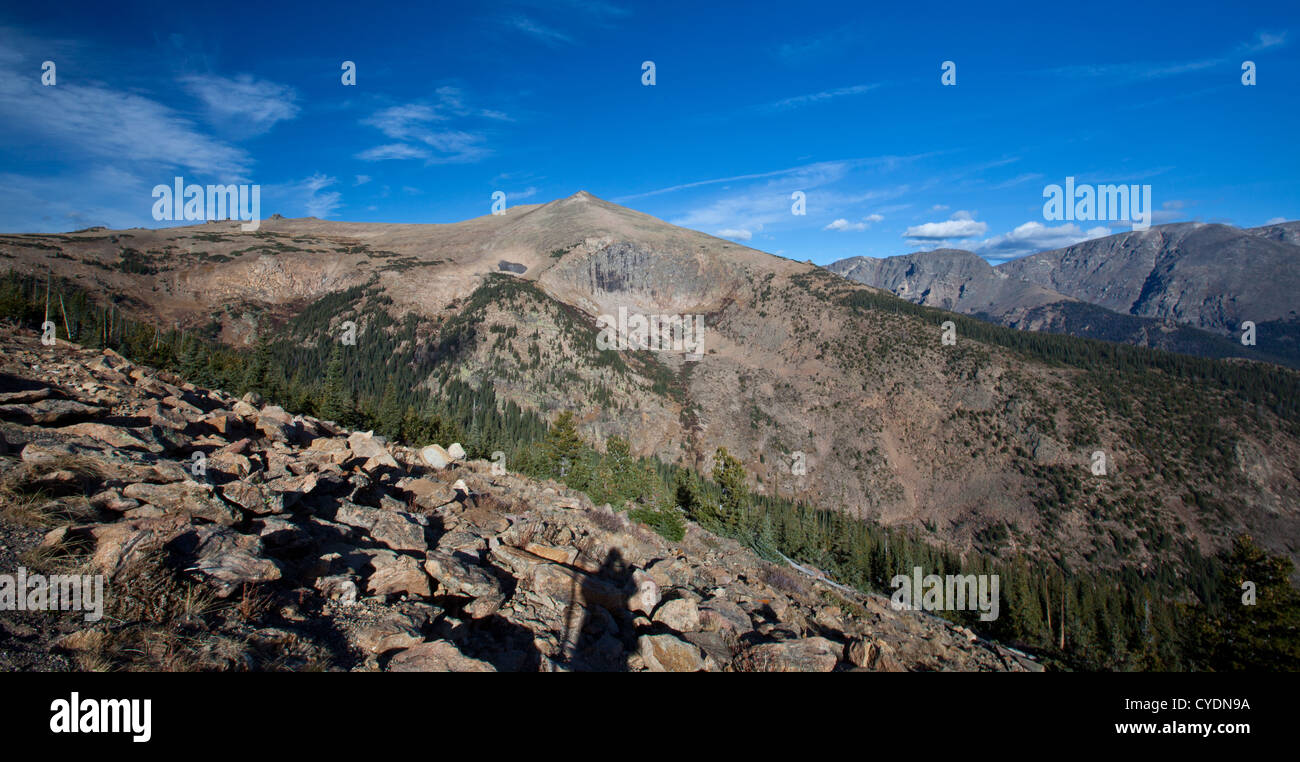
{"x": 1263, "y": 635}
{"x": 257, "y": 376}
{"x": 730, "y": 477}
{"x": 563, "y": 446}
{"x": 336, "y": 402}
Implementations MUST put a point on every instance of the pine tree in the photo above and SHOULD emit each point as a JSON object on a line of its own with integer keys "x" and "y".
{"x": 389, "y": 417}
{"x": 336, "y": 402}
{"x": 257, "y": 376}
{"x": 563, "y": 446}
{"x": 1243, "y": 635}
{"x": 730, "y": 477}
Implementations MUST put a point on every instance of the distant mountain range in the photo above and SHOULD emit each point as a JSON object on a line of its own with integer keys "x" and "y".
{"x": 1186, "y": 287}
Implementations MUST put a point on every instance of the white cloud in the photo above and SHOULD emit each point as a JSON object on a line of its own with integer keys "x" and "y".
{"x": 1276, "y": 221}
{"x": 242, "y": 104}
{"x": 739, "y": 235}
{"x": 362, "y": 179}
{"x": 1034, "y": 236}
{"x": 845, "y": 226}
{"x": 959, "y": 226}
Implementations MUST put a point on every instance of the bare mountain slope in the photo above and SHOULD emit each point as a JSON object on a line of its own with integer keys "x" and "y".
{"x": 1205, "y": 275}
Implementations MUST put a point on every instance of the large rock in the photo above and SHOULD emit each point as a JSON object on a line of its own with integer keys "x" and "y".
{"x": 456, "y": 451}
{"x": 395, "y": 574}
{"x": 253, "y": 498}
{"x": 803, "y": 655}
{"x": 188, "y": 498}
{"x": 436, "y": 656}
{"x": 366, "y": 445}
{"x": 50, "y": 412}
{"x": 436, "y": 457}
{"x": 428, "y": 493}
{"x": 668, "y": 653}
{"x": 390, "y": 631}
{"x": 227, "y": 559}
{"x": 721, "y": 615}
{"x": 646, "y": 594}
{"x": 458, "y": 578}
{"x": 875, "y": 655}
{"x": 120, "y": 438}
{"x": 398, "y": 531}
{"x": 681, "y": 614}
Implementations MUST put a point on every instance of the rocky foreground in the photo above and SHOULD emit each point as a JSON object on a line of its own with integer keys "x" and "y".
{"x": 291, "y": 543}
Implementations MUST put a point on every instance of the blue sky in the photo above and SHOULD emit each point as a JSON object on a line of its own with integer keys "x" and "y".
{"x": 752, "y": 101}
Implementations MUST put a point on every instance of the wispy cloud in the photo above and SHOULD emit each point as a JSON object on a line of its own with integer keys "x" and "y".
{"x": 242, "y": 104}
{"x": 799, "y": 101}
{"x": 537, "y": 30}
{"x": 98, "y": 122}
{"x": 307, "y": 196}
{"x": 413, "y": 126}
{"x": 1149, "y": 70}
{"x": 834, "y": 167}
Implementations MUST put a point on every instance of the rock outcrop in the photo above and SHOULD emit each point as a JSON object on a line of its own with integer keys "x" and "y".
{"x": 344, "y": 551}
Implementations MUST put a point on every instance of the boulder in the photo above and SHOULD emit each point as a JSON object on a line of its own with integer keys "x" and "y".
{"x": 188, "y": 498}
{"x": 680, "y": 614}
{"x": 120, "y": 438}
{"x": 668, "y": 653}
{"x": 391, "y": 631}
{"x": 875, "y": 655}
{"x": 802, "y": 655}
{"x": 225, "y": 558}
{"x": 395, "y": 574}
{"x": 436, "y": 656}
{"x": 366, "y": 445}
{"x": 436, "y": 457}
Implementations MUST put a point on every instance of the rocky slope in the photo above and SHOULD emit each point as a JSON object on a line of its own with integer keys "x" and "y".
{"x": 1208, "y": 276}
{"x": 236, "y": 536}
{"x": 950, "y": 279}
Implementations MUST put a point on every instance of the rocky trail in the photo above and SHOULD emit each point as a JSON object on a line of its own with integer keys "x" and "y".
{"x": 234, "y": 535}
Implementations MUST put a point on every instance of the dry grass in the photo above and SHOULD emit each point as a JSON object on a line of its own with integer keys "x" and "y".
{"x": 50, "y": 494}
{"x": 156, "y": 620}
{"x": 783, "y": 579}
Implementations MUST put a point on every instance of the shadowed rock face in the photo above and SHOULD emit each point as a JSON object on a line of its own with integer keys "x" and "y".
{"x": 632, "y": 275}
{"x": 951, "y": 279}
{"x": 1185, "y": 287}
{"x": 1208, "y": 276}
